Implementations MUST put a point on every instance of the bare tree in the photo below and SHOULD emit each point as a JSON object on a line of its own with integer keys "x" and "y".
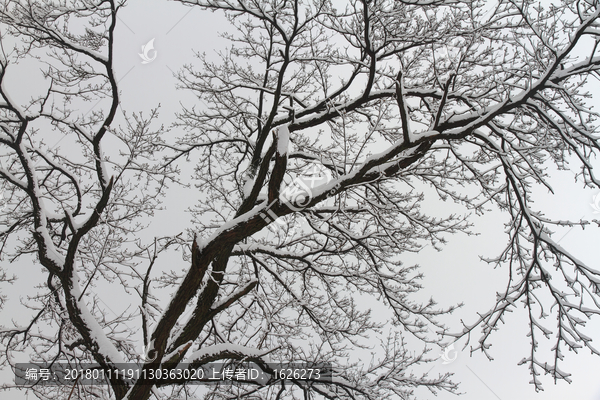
{"x": 376, "y": 100}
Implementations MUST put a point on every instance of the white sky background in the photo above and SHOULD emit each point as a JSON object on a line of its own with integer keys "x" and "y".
{"x": 452, "y": 276}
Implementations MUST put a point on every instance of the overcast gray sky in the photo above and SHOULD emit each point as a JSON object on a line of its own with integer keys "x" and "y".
{"x": 452, "y": 276}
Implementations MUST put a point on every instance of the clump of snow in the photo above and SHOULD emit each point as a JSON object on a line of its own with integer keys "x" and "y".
{"x": 200, "y": 242}
{"x": 248, "y": 185}
{"x": 105, "y": 347}
{"x": 283, "y": 139}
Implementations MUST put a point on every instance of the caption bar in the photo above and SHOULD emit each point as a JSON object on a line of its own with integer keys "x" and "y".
{"x": 56, "y": 374}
